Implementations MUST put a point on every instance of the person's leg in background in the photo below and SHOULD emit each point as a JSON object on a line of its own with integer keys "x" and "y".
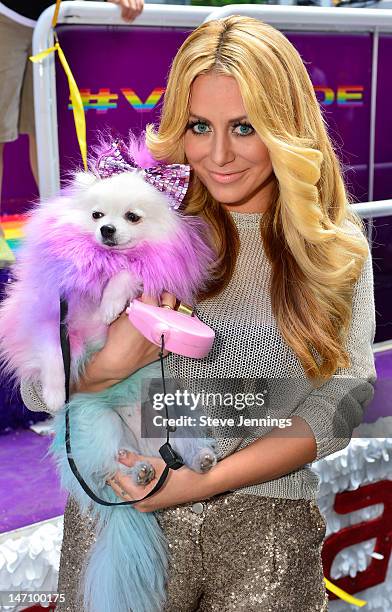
{"x": 15, "y": 47}
{"x": 33, "y": 157}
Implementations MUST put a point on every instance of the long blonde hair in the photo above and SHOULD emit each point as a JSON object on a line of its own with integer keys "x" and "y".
{"x": 315, "y": 255}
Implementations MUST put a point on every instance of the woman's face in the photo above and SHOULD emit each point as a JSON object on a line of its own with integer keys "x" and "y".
{"x": 222, "y": 147}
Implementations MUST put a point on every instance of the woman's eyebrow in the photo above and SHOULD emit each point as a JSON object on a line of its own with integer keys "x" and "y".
{"x": 192, "y": 114}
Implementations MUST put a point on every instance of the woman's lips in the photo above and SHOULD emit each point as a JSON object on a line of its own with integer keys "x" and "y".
{"x": 226, "y": 178}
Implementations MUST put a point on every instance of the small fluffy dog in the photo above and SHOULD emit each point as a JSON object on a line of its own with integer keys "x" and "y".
{"x": 112, "y": 234}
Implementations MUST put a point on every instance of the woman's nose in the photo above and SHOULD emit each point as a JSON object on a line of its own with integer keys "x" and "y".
{"x": 221, "y": 151}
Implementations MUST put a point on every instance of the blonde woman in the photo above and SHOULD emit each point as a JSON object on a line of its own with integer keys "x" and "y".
{"x": 292, "y": 302}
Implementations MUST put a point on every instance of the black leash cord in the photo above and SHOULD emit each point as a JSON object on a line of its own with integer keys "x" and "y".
{"x": 172, "y": 459}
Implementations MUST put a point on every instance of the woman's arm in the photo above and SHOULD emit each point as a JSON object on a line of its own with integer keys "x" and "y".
{"x": 97, "y": 375}
{"x": 337, "y": 407}
{"x": 277, "y": 453}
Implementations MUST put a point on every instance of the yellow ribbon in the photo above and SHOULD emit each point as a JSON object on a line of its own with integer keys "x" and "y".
{"x": 77, "y": 104}
{"x": 343, "y": 595}
{"x": 56, "y": 13}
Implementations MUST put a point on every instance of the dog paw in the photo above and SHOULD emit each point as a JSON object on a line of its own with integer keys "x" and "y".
{"x": 54, "y": 398}
{"x": 204, "y": 460}
{"x": 142, "y": 473}
{"x": 110, "y": 310}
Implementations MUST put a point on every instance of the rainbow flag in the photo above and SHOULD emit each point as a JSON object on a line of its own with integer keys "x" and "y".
{"x": 12, "y": 226}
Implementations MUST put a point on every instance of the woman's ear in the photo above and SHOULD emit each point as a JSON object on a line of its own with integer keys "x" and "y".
{"x": 82, "y": 179}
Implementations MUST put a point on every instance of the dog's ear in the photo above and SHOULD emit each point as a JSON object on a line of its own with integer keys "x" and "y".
{"x": 82, "y": 180}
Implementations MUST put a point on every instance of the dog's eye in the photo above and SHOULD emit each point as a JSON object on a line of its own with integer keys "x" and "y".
{"x": 97, "y": 215}
{"x": 133, "y": 217}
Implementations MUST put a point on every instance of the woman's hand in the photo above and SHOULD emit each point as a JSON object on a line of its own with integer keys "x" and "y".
{"x": 126, "y": 348}
{"x": 130, "y": 9}
{"x": 125, "y": 351}
{"x": 181, "y": 486}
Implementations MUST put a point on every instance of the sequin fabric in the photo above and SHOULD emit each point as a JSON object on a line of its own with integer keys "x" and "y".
{"x": 170, "y": 179}
{"x": 78, "y": 537}
{"x": 228, "y": 553}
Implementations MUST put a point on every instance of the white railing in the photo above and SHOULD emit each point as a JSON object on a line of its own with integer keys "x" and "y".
{"x": 380, "y": 208}
{"x": 318, "y": 18}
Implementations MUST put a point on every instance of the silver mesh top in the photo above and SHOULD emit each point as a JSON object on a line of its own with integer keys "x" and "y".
{"x": 31, "y": 392}
{"x": 249, "y": 349}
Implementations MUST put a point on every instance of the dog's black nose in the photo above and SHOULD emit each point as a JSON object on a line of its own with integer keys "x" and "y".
{"x": 108, "y": 235}
{"x": 108, "y": 231}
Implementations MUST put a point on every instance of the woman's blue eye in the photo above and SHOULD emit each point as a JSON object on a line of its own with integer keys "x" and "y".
{"x": 245, "y": 129}
{"x": 199, "y": 124}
